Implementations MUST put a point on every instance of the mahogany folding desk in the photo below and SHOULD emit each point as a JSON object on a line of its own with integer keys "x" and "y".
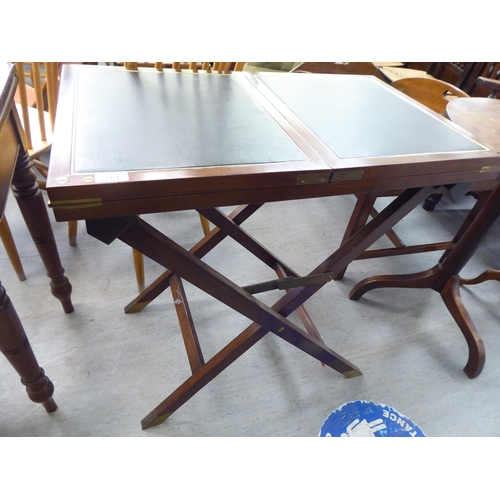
{"x": 134, "y": 142}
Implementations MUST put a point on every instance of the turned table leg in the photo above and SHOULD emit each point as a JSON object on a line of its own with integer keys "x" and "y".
{"x": 15, "y": 346}
{"x": 32, "y": 205}
{"x": 453, "y": 301}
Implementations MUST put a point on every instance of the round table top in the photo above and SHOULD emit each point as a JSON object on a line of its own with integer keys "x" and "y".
{"x": 480, "y": 116}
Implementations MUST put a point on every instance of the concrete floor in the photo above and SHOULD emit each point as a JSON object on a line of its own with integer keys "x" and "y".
{"x": 110, "y": 369}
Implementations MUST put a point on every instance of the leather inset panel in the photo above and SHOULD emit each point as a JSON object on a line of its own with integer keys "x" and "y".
{"x": 168, "y": 120}
{"x": 357, "y": 117}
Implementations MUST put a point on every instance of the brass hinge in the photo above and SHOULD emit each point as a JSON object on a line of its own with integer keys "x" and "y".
{"x": 485, "y": 170}
{"x": 346, "y": 175}
{"x": 308, "y": 179}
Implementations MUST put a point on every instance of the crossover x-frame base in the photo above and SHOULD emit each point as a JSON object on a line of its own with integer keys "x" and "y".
{"x": 183, "y": 264}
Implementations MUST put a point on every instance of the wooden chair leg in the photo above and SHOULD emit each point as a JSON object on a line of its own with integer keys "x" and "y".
{"x": 10, "y": 248}
{"x": 139, "y": 269}
{"x": 205, "y": 225}
{"x": 43, "y": 168}
{"x": 72, "y": 230}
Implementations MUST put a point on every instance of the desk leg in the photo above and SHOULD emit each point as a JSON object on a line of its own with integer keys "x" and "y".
{"x": 146, "y": 239}
{"x": 158, "y": 247}
{"x": 233, "y": 230}
{"x": 209, "y": 242}
{"x": 152, "y": 243}
{"x": 16, "y": 348}
{"x": 32, "y": 205}
{"x": 359, "y": 217}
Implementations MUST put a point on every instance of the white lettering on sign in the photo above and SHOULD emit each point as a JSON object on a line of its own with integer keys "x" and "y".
{"x": 105, "y": 177}
{"x": 404, "y": 425}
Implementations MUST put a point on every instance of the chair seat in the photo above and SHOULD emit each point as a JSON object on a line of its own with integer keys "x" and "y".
{"x": 39, "y": 146}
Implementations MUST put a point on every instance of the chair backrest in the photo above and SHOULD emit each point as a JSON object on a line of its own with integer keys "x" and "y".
{"x": 36, "y": 100}
{"x": 459, "y": 74}
{"x": 487, "y": 82}
{"x": 435, "y": 94}
{"x": 490, "y": 85}
{"x": 195, "y": 67}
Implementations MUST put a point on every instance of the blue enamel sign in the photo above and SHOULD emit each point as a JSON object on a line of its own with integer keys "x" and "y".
{"x": 368, "y": 419}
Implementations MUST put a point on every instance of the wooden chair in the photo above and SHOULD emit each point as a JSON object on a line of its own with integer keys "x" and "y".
{"x": 483, "y": 80}
{"x": 194, "y": 67}
{"x": 459, "y": 74}
{"x": 36, "y": 104}
{"x": 187, "y": 67}
{"x": 487, "y": 82}
{"x": 10, "y": 248}
{"x": 391, "y": 74}
{"x": 469, "y": 77}
{"x": 435, "y": 94}
{"x": 37, "y": 127}
{"x": 32, "y": 103}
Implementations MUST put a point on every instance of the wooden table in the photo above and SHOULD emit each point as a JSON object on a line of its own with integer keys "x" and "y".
{"x": 480, "y": 116}
{"x": 129, "y": 143}
{"x": 15, "y": 172}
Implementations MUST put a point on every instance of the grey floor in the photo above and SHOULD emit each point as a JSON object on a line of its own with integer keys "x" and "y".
{"x": 110, "y": 369}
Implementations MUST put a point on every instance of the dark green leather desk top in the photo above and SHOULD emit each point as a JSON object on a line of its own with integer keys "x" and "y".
{"x": 359, "y": 117}
{"x": 135, "y": 142}
{"x": 167, "y": 120}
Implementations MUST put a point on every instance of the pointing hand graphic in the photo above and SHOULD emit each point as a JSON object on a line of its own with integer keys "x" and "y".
{"x": 363, "y": 428}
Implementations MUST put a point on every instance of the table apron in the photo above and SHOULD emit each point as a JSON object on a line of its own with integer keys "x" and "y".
{"x": 94, "y": 208}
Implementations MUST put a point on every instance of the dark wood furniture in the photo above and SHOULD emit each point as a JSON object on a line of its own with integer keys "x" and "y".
{"x": 15, "y": 170}
{"x": 435, "y": 94}
{"x": 36, "y": 102}
{"x": 459, "y": 74}
{"x": 463, "y": 75}
{"x": 481, "y": 116}
{"x": 486, "y": 80}
{"x": 130, "y": 143}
